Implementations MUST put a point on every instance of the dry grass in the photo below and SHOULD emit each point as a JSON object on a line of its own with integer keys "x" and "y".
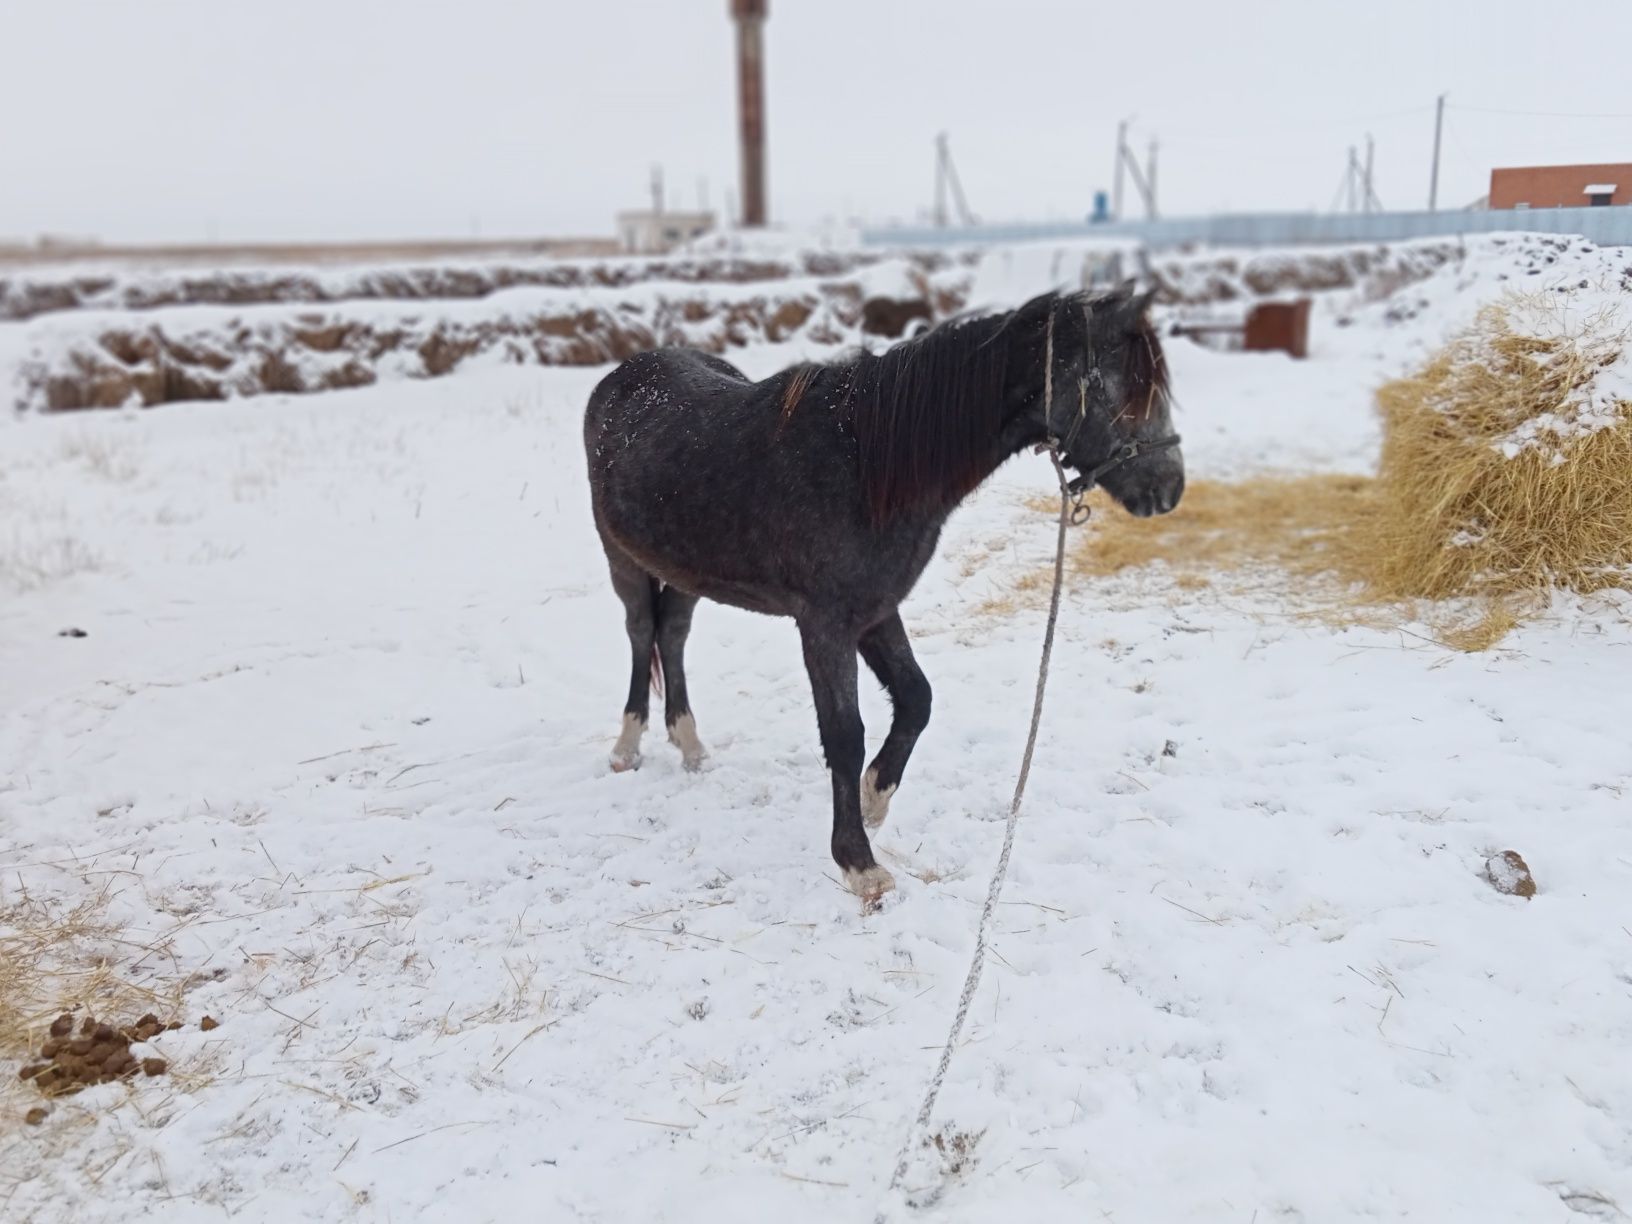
{"x": 102, "y": 454}
{"x": 1492, "y": 622}
{"x": 1251, "y": 529}
{"x": 1458, "y": 512}
{"x": 29, "y": 564}
{"x": 55, "y": 959}
{"x": 1501, "y": 479}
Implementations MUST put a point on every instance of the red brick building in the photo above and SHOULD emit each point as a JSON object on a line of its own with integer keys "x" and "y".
{"x": 1561, "y": 186}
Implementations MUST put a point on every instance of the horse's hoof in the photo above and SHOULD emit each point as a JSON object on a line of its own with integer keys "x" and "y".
{"x": 870, "y": 885}
{"x": 875, "y": 803}
{"x": 683, "y": 735}
{"x": 626, "y": 752}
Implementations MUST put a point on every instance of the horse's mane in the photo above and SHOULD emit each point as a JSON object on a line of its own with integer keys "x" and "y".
{"x": 927, "y": 412}
{"x": 1144, "y": 374}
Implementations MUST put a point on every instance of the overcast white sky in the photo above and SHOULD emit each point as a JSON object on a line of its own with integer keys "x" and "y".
{"x": 179, "y": 120}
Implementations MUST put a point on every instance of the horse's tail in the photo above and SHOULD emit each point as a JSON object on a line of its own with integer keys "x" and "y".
{"x": 657, "y": 671}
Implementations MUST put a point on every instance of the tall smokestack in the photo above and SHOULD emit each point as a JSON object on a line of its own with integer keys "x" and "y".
{"x": 750, "y": 18}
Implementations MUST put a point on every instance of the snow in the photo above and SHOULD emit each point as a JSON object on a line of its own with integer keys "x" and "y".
{"x": 1588, "y": 324}
{"x": 339, "y": 732}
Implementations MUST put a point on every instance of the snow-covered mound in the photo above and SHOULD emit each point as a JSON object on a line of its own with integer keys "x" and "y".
{"x": 41, "y": 290}
{"x": 87, "y": 358}
{"x": 157, "y": 337}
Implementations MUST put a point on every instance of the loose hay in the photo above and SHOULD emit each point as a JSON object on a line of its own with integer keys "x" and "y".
{"x": 1300, "y": 524}
{"x": 1507, "y": 461}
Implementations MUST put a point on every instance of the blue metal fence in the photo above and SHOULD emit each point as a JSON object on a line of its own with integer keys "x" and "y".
{"x": 1604, "y": 226}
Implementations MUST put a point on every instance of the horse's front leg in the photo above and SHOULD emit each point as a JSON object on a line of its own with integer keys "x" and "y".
{"x": 889, "y": 654}
{"x": 830, "y": 658}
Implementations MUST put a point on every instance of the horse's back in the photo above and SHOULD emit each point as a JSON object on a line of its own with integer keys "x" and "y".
{"x": 688, "y": 478}
{"x": 662, "y": 380}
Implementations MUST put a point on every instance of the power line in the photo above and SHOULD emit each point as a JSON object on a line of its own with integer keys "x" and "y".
{"x": 1497, "y": 110}
{"x": 1253, "y": 133}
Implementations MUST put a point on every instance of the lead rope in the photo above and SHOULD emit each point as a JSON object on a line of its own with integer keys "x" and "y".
{"x": 977, "y": 962}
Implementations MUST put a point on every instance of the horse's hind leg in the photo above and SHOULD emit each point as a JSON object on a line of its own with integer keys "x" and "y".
{"x": 674, "y": 608}
{"x": 639, "y": 592}
{"x": 830, "y": 658}
{"x": 889, "y": 654}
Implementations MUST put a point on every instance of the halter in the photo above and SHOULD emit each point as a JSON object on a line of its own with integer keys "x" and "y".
{"x": 1129, "y": 450}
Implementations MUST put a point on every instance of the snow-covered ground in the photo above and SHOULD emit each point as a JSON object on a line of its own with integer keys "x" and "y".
{"x": 338, "y": 735}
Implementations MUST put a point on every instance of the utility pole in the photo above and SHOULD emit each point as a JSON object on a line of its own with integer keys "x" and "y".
{"x": 1371, "y": 196}
{"x": 940, "y": 181}
{"x": 1150, "y": 181}
{"x": 657, "y": 190}
{"x": 1144, "y": 180}
{"x": 1116, "y": 182}
{"x": 1351, "y": 186}
{"x": 1433, "y": 181}
{"x": 750, "y": 18}
{"x": 946, "y": 180}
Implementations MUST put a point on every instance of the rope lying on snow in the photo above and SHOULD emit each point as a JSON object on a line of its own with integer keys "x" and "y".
{"x": 978, "y": 961}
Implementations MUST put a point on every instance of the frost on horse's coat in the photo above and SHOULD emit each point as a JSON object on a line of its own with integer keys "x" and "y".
{"x": 820, "y": 493}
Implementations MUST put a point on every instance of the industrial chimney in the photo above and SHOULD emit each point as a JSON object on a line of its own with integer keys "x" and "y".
{"x": 750, "y": 18}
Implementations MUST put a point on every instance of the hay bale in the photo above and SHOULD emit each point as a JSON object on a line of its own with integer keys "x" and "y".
{"x": 1507, "y": 459}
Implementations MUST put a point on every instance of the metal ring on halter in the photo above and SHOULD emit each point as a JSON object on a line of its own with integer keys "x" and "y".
{"x": 1128, "y": 450}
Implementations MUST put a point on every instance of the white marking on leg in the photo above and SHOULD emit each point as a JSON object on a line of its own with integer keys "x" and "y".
{"x": 683, "y": 735}
{"x": 870, "y": 885}
{"x": 875, "y": 803}
{"x": 626, "y": 752}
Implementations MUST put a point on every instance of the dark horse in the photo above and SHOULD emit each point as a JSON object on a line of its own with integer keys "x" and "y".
{"x": 820, "y": 492}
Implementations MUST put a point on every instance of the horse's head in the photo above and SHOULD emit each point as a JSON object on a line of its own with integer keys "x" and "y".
{"x": 1111, "y": 413}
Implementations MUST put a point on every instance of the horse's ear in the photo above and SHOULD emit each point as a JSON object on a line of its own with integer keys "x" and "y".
{"x": 1141, "y": 302}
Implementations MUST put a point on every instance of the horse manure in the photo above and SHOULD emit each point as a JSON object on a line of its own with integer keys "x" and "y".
{"x": 1508, "y": 873}
{"x": 208, "y": 1023}
{"x": 99, "y": 1054}
{"x": 36, "y": 1115}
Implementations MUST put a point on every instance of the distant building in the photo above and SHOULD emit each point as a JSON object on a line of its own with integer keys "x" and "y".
{"x": 652, "y": 233}
{"x": 1561, "y": 186}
